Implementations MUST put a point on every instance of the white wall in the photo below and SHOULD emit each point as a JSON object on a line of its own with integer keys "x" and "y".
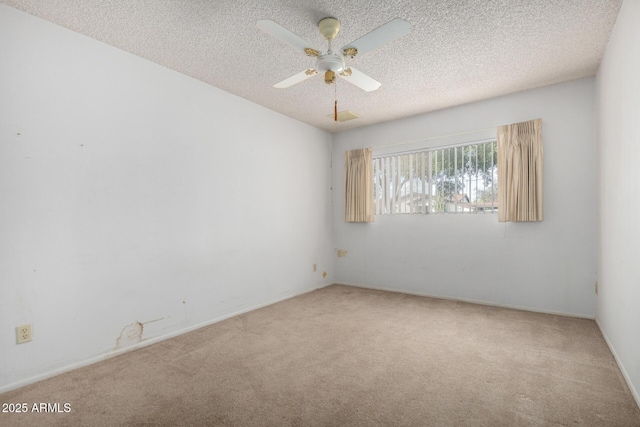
{"x": 547, "y": 266}
{"x": 131, "y": 193}
{"x": 618, "y": 148}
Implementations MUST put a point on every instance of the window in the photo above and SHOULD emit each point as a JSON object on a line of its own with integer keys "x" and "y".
{"x": 452, "y": 179}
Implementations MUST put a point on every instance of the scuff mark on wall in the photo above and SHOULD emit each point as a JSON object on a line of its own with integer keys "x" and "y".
{"x": 154, "y": 320}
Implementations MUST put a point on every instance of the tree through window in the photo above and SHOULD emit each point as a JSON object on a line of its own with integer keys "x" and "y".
{"x": 457, "y": 179}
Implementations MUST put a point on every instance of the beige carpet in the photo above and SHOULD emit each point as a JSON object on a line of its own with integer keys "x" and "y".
{"x": 348, "y": 356}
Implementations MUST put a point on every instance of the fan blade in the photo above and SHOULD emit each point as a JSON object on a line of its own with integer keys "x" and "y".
{"x": 360, "y": 79}
{"x": 381, "y": 35}
{"x": 296, "y": 78}
{"x": 279, "y": 32}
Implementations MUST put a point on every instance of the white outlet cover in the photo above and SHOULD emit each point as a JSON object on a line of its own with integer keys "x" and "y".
{"x": 23, "y": 334}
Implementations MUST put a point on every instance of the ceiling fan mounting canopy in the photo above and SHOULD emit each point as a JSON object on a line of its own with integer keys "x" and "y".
{"x": 329, "y": 28}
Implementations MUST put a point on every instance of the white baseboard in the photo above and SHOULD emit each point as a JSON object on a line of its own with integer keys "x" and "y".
{"x": 471, "y": 301}
{"x": 143, "y": 343}
{"x": 625, "y": 375}
{"x": 147, "y": 342}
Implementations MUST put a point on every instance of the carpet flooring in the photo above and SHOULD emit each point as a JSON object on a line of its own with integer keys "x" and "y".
{"x": 348, "y": 356}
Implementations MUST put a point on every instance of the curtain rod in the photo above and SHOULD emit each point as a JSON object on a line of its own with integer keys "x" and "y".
{"x": 434, "y": 137}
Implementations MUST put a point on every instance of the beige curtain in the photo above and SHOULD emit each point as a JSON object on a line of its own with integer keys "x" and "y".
{"x": 358, "y": 186}
{"x": 520, "y": 161}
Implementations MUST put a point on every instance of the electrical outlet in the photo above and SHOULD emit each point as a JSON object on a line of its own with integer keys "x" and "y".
{"x": 23, "y": 334}
{"x": 315, "y": 268}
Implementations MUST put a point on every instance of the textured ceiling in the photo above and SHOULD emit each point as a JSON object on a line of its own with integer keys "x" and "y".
{"x": 457, "y": 51}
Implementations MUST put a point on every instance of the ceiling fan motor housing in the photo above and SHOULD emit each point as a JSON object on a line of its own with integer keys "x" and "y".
{"x": 330, "y": 62}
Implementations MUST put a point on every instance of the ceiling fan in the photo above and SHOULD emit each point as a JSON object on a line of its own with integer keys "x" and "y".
{"x": 330, "y": 63}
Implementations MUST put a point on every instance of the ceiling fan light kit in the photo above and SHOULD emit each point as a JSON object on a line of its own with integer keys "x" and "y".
{"x": 329, "y": 77}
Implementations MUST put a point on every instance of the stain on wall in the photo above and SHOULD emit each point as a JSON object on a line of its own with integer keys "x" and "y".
{"x": 131, "y": 334}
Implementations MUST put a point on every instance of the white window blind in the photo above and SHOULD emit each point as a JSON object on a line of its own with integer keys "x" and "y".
{"x": 453, "y": 179}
